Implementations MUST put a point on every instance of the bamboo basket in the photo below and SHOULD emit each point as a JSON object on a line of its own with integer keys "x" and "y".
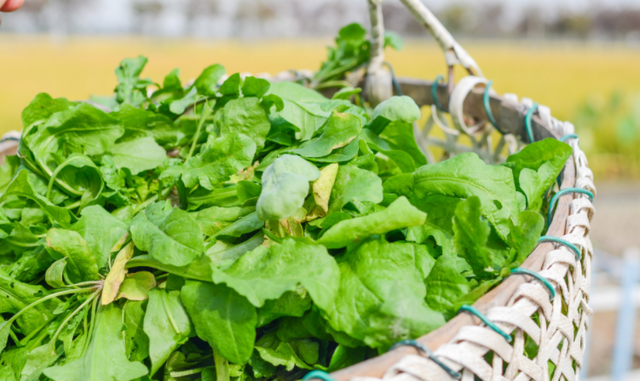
{"x": 466, "y": 347}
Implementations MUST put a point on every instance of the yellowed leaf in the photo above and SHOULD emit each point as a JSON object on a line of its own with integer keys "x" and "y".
{"x": 323, "y": 186}
{"x": 116, "y": 275}
{"x": 136, "y": 286}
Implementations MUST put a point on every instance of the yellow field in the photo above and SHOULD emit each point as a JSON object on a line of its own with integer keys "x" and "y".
{"x": 559, "y": 75}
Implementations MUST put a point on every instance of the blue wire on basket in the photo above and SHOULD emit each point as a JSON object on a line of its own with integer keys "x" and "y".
{"x": 487, "y": 106}
{"x": 543, "y": 280}
{"x": 560, "y": 193}
{"x": 486, "y": 321}
{"x": 574, "y": 248}
{"x": 319, "y": 374}
{"x": 394, "y": 80}
{"x": 434, "y": 92}
{"x": 427, "y": 352}
{"x": 567, "y": 137}
{"x": 527, "y": 121}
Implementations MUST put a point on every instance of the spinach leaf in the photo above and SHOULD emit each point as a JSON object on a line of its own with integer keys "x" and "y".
{"x": 170, "y": 235}
{"x": 264, "y": 274}
{"x": 105, "y": 357}
{"x": 166, "y": 324}
{"x": 285, "y": 185}
{"x": 466, "y": 175}
{"x": 536, "y": 167}
{"x": 400, "y": 214}
{"x": 223, "y": 318}
{"x": 225, "y": 157}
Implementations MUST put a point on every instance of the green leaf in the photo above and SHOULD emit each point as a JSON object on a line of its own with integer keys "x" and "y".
{"x": 207, "y": 82}
{"x": 8, "y": 170}
{"x": 536, "y": 167}
{"x": 15, "y": 295}
{"x": 340, "y": 129}
{"x": 445, "y": 285}
{"x": 54, "y": 274}
{"x": 285, "y": 185}
{"x": 353, "y": 183}
{"x": 216, "y": 218}
{"x": 471, "y": 234}
{"x": 199, "y": 269}
{"x": 400, "y": 214}
{"x": 22, "y": 186}
{"x": 264, "y": 274}
{"x": 400, "y": 319}
{"x": 524, "y": 235}
{"x": 131, "y": 89}
{"x": 466, "y": 175}
{"x": 399, "y": 136}
{"x": 105, "y": 356}
{"x": 81, "y": 129}
{"x": 245, "y": 116}
{"x": 79, "y": 175}
{"x": 395, "y": 109}
{"x": 393, "y": 40}
{"x": 247, "y": 224}
{"x": 81, "y": 263}
{"x": 295, "y": 92}
{"x": 167, "y": 325}
{"x": 170, "y": 236}
{"x": 136, "y": 341}
{"x": 223, "y": 318}
{"x": 139, "y": 123}
{"x": 137, "y": 155}
{"x": 280, "y": 353}
{"x": 224, "y": 158}
{"x": 41, "y": 108}
{"x": 306, "y": 118}
{"x": 291, "y": 303}
{"x": 231, "y": 86}
{"x": 255, "y": 87}
{"x": 368, "y": 277}
{"x": 102, "y": 231}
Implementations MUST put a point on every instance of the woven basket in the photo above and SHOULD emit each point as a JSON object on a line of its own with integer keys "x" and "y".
{"x": 466, "y": 347}
{"x": 520, "y": 305}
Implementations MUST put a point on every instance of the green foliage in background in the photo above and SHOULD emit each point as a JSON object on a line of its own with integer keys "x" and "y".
{"x": 609, "y": 131}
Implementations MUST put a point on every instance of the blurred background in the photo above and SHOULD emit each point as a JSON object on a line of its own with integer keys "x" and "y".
{"x": 579, "y": 57}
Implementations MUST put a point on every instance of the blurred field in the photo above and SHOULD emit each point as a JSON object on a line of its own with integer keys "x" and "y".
{"x": 560, "y": 75}
{"x": 565, "y": 76}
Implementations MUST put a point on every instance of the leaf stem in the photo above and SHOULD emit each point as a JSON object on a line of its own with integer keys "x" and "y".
{"x": 44, "y": 299}
{"x": 55, "y": 173}
{"x": 143, "y": 205}
{"x": 73, "y": 206}
{"x": 92, "y": 325}
{"x": 222, "y": 367}
{"x": 205, "y": 111}
{"x": 66, "y": 320}
{"x": 187, "y": 372}
{"x": 172, "y": 320}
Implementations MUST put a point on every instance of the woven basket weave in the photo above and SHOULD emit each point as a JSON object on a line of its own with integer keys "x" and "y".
{"x": 520, "y": 305}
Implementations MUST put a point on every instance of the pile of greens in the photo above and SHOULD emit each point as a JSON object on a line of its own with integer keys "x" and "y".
{"x": 247, "y": 230}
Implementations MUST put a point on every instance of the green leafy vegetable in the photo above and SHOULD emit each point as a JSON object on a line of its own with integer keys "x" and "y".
{"x": 234, "y": 228}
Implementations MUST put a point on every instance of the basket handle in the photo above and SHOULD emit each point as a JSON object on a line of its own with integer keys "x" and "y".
{"x": 453, "y": 53}
{"x": 378, "y": 81}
